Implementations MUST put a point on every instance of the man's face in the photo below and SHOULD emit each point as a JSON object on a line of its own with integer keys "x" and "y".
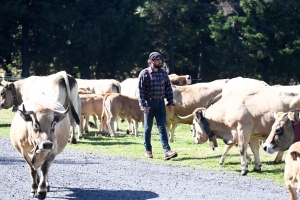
{"x": 157, "y": 63}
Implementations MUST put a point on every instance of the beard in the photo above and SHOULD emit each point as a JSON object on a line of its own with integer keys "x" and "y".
{"x": 158, "y": 66}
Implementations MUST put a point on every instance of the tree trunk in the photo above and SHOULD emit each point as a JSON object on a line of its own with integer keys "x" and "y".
{"x": 171, "y": 45}
{"x": 25, "y": 49}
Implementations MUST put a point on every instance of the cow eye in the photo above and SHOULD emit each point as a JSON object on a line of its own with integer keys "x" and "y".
{"x": 278, "y": 130}
{"x": 36, "y": 127}
{"x": 53, "y": 125}
{"x": 2, "y": 93}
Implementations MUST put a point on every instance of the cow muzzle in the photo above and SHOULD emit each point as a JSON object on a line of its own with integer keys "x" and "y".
{"x": 45, "y": 147}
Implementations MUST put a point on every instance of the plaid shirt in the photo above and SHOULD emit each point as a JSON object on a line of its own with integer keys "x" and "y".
{"x": 160, "y": 86}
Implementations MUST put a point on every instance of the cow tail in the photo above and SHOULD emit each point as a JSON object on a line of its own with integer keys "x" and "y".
{"x": 73, "y": 111}
{"x": 104, "y": 109}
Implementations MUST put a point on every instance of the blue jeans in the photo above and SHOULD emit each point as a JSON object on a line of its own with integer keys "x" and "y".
{"x": 157, "y": 110}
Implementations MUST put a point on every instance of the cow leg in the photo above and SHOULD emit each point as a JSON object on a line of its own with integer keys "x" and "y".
{"x": 81, "y": 123}
{"x": 244, "y": 132}
{"x": 278, "y": 158}
{"x": 135, "y": 127}
{"x": 292, "y": 192}
{"x": 95, "y": 120}
{"x": 129, "y": 121}
{"x": 86, "y": 123}
{"x": 225, "y": 151}
{"x": 110, "y": 123}
{"x": 254, "y": 145}
{"x": 44, "y": 186}
{"x": 34, "y": 181}
{"x": 172, "y": 130}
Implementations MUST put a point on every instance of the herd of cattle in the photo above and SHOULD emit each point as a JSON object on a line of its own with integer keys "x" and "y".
{"x": 240, "y": 111}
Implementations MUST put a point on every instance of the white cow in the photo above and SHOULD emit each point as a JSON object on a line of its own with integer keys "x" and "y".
{"x": 39, "y": 132}
{"x": 60, "y": 86}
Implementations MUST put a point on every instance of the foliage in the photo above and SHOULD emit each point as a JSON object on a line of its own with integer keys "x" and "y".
{"x": 112, "y": 39}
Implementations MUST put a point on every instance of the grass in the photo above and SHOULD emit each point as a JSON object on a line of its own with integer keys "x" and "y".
{"x": 189, "y": 154}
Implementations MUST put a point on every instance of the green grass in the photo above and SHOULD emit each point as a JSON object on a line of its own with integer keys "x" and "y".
{"x": 189, "y": 154}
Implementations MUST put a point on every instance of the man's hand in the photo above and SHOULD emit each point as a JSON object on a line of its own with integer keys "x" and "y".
{"x": 171, "y": 108}
{"x": 146, "y": 110}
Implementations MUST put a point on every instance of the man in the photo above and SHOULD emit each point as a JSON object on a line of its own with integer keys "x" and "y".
{"x": 154, "y": 86}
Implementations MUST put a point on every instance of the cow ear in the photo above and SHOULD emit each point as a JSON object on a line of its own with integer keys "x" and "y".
{"x": 296, "y": 116}
{"x": 294, "y": 155}
{"x": 25, "y": 116}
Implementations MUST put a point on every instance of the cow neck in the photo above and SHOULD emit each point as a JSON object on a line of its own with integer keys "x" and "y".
{"x": 211, "y": 136}
{"x": 14, "y": 96}
{"x": 205, "y": 124}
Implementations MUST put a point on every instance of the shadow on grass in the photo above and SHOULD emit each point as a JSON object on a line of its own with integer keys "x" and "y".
{"x": 96, "y": 193}
{"x": 5, "y": 125}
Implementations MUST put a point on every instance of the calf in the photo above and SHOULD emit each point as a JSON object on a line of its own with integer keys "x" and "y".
{"x": 40, "y": 131}
{"x": 91, "y": 104}
{"x": 116, "y": 105}
{"x": 292, "y": 170}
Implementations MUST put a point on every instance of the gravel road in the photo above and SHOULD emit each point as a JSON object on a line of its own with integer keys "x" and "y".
{"x": 86, "y": 176}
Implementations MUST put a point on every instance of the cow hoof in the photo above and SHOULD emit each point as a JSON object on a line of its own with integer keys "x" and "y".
{"x": 257, "y": 170}
{"x": 32, "y": 194}
{"x": 48, "y": 188}
{"x": 80, "y": 138}
{"x": 276, "y": 162}
{"x": 244, "y": 172}
{"x": 41, "y": 195}
{"x": 127, "y": 132}
{"x": 86, "y": 131}
{"x": 73, "y": 141}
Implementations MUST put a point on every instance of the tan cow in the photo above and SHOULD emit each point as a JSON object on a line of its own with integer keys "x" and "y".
{"x": 91, "y": 104}
{"x": 39, "y": 132}
{"x": 244, "y": 117}
{"x": 117, "y": 105}
{"x": 285, "y": 131}
{"x": 188, "y": 98}
{"x": 60, "y": 86}
{"x": 292, "y": 170}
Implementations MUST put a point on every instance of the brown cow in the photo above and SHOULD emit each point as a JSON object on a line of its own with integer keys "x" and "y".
{"x": 39, "y": 131}
{"x": 116, "y": 105}
{"x": 99, "y": 86}
{"x": 91, "y": 104}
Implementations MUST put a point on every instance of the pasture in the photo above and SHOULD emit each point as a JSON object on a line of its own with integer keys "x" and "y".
{"x": 189, "y": 154}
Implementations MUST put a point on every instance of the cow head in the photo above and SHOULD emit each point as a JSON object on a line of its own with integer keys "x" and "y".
{"x": 180, "y": 80}
{"x": 6, "y": 98}
{"x": 282, "y": 135}
{"x": 41, "y": 126}
{"x": 198, "y": 130}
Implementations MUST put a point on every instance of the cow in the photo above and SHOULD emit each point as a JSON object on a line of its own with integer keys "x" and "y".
{"x": 99, "y": 86}
{"x": 235, "y": 84}
{"x": 188, "y": 98}
{"x": 285, "y": 131}
{"x": 245, "y": 117}
{"x": 91, "y": 104}
{"x": 117, "y": 105}
{"x": 292, "y": 170}
{"x": 61, "y": 86}
{"x": 39, "y": 132}
{"x": 130, "y": 85}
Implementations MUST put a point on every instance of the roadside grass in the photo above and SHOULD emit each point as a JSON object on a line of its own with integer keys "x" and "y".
{"x": 189, "y": 153}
